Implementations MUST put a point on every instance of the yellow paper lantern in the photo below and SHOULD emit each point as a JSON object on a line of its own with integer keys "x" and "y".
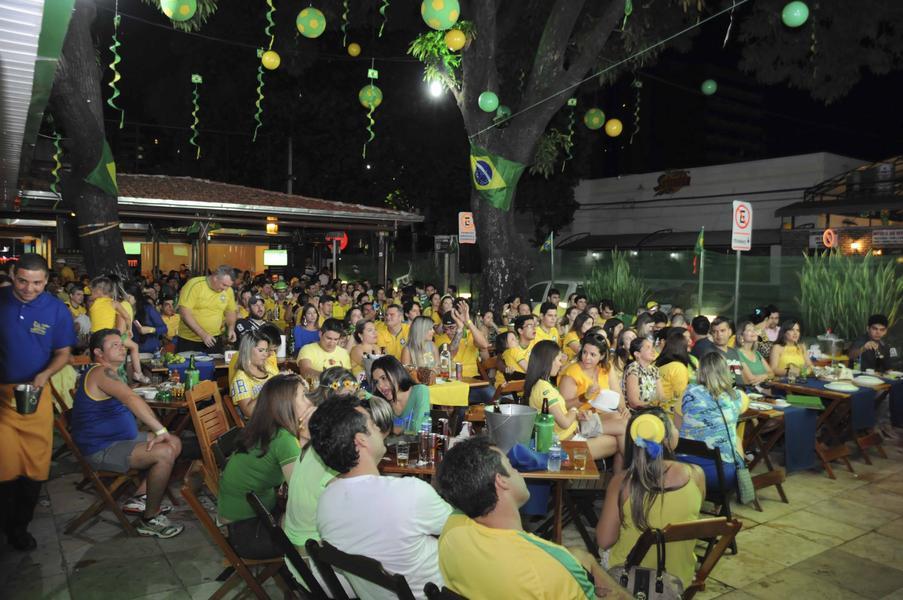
{"x": 354, "y": 49}
{"x": 270, "y": 60}
{"x": 455, "y": 39}
{"x": 614, "y": 127}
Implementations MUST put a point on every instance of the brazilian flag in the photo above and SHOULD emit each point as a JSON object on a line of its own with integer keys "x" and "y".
{"x": 104, "y": 174}
{"x": 494, "y": 177}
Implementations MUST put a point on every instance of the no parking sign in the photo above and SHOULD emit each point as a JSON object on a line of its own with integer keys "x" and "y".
{"x": 741, "y": 226}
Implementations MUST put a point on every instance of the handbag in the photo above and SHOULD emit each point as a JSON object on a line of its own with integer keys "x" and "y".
{"x": 644, "y": 582}
{"x": 746, "y": 491}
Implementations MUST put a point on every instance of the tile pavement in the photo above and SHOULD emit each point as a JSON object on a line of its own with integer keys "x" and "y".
{"x": 838, "y": 538}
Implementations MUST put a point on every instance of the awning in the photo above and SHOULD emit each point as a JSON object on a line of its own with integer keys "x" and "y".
{"x": 664, "y": 240}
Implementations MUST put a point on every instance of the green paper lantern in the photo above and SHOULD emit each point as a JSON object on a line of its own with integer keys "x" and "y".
{"x": 594, "y": 118}
{"x": 179, "y": 10}
{"x": 311, "y": 22}
{"x": 709, "y": 87}
{"x": 370, "y": 96}
{"x": 795, "y": 14}
{"x": 488, "y": 101}
{"x": 503, "y": 112}
{"x": 440, "y": 14}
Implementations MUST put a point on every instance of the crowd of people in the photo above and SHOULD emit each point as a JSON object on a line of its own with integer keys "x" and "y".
{"x": 631, "y": 383}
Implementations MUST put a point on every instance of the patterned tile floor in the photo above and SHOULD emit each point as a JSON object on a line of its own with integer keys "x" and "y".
{"x": 838, "y": 538}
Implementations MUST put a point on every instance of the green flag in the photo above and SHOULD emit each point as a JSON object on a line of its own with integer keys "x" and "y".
{"x": 494, "y": 177}
{"x": 697, "y": 251}
{"x": 104, "y": 174}
{"x": 548, "y": 245}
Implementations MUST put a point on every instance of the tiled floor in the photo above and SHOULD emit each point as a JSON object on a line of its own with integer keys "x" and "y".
{"x": 838, "y": 538}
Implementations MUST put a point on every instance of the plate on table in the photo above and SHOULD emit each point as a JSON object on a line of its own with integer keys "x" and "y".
{"x": 868, "y": 380}
{"x": 754, "y": 396}
{"x": 215, "y": 356}
{"x": 203, "y": 358}
{"x": 760, "y": 406}
{"x": 893, "y": 374}
{"x": 189, "y": 353}
{"x": 841, "y": 386}
{"x": 781, "y": 403}
{"x": 147, "y": 392}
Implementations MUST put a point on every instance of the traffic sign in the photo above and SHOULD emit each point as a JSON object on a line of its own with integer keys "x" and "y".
{"x": 467, "y": 231}
{"x": 741, "y": 226}
{"x": 829, "y": 238}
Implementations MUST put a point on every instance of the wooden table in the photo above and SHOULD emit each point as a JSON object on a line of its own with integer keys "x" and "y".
{"x": 559, "y": 479}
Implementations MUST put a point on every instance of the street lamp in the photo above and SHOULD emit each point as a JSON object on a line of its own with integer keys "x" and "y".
{"x": 435, "y": 89}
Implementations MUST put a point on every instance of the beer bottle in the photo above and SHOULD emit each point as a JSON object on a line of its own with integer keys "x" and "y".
{"x": 545, "y": 406}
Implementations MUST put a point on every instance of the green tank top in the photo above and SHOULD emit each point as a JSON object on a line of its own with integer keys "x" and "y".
{"x": 757, "y": 366}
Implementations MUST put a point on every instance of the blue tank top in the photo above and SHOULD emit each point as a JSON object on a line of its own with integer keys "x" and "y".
{"x": 97, "y": 423}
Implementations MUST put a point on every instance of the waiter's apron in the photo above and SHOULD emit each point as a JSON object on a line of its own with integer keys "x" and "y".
{"x": 26, "y": 441}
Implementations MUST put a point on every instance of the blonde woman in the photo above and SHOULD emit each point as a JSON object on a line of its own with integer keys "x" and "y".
{"x": 253, "y": 371}
{"x": 421, "y": 351}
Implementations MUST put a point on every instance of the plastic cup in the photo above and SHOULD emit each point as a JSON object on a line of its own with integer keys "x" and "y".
{"x": 579, "y": 459}
{"x": 402, "y": 451}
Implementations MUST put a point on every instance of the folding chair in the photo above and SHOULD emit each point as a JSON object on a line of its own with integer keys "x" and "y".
{"x": 433, "y": 592}
{"x": 108, "y": 485}
{"x": 513, "y": 388}
{"x": 210, "y": 423}
{"x": 327, "y": 558}
{"x": 487, "y": 368}
{"x": 232, "y": 411}
{"x": 720, "y": 497}
{"x": 721, "y": 529}
{"x": 291, "y": 553}
{"x": 242, "y": 567}
{"x": 758, "y": 425}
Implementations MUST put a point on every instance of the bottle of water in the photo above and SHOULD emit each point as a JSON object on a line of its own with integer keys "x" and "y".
{"x": 555, "y": 455}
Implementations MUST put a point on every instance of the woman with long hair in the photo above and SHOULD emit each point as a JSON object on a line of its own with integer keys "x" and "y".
{"x": 653, "y": 491}
{"x": 365, "y": 339}
{"x": 755, "y": 368}
{"x": 709, "y": 414}
{"x": 620, "y": 357}
{"x": 421, "y": 351}
{"x": 641, "y": 384}
{"x": 266, "y": 452}
{"x": 307, "y": 331}
{"x": 566, "y": 323}
{"x": 409, "y": 401}
{"x": 433, "y": 311}
{"x": 612, "y": 329}
{"x": 788, "y": 353}
{"x": 570, "y": 344}
{"x": 546, "y": 361}
{"x": 676, "y": 368}
{"x": 148, "y": 327}
{"x": 253, "y": 370}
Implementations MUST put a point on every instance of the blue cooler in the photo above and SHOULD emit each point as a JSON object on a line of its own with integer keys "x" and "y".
{"x": 205, "y": 367}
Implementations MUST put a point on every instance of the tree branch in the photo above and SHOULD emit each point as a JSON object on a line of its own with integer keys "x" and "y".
{"x": 479, "y": 64}
{"x": 549, "y": 58}
{"x": 591, "y": 41}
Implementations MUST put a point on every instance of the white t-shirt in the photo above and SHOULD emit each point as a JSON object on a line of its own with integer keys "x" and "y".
{"x": 390, "y": 519}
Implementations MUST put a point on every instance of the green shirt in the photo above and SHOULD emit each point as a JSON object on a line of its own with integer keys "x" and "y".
{"x": 756, "y": 366}
{"x": 309, "y": 478}
{"x": 249, "y": 472}
{"x": 417, "y": 410}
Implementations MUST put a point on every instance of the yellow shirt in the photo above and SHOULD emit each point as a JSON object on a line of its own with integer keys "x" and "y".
{"x": 242, "y": 312}
{"x": 269, "y": 305}
{"x": 792, "y": 355}
{"x": 77, "y": 311}
{"x": 393, "y": 344}
{"x": 675, "y": 377}
{"x": 208, "y": 307}
{"x": 516, "y": 353}
{"x": 536, "y": 308}
{"x": 468, "y": 354}
{"x": 102, "y": 314}
{"x": 272, "y": 366}
{"x": 583, "y": 382}
{"x": 245, "y": 386}
{"x": 572, "y": 336}
{"x": 469, "y": 561}
{"x": 320, "y": 359}
{"x": 339, "y": 311}
{"x": 552, "y": 335}
{"x": 544, "y": 389}
{"x": 172, "y": 324}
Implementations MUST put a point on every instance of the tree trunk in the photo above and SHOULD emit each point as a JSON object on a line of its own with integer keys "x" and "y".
{"x": 76, "y": 104}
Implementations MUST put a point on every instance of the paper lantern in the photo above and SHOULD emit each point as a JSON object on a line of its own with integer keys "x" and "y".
{"x": 179, "y": 10}
{"x": 613, "y": 127}
{"x": 370, "y": 96}
{"x": 488, "y": 101}
{"x": 311, "y": 22}
{"x": 354, "y": 49}
{"x": 440, "y": 14}
{"x": 795, "y": 14}
{"x": 270, "y": 60}
{"x": 709, "y": 87}
{"x": 594, "y": 118}
{"x": 455, "y": 39}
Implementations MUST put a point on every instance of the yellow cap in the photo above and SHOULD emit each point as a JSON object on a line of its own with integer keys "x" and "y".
{"x": 651, "y": 304}
{"x": 648, "y": 427}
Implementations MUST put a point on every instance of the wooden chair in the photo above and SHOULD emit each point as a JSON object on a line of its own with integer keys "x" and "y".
{"x": 721, "y": 529}
{"x": 108, "y": 485}
{"x": 327, "y": 558}
{"x": 194, "y": 479}
{"x": 513, "y": 388}
{"x": 433, "y": 592}
{"x": 233, "y": 412}
{"x": 487, "y": 368}
{"x": 720, "y": 497}
{"x": 314, "y": 591}
{"x": 210, "y": 423}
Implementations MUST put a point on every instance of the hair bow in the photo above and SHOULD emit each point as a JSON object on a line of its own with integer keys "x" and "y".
{"x": 653, "y": 449}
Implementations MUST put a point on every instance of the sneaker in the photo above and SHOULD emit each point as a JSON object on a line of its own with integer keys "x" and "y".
{"x": 136, "y": 505}
{"x": 158, "y": 526}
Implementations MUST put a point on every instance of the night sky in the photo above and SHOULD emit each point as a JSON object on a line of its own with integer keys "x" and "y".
{"x": 420, "y": 147}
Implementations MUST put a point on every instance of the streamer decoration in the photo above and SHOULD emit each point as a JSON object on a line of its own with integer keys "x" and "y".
{"x": 114, "y": 48}
{"x": 57, "y": 165}
{"x": 382, "y": 11}
{"x": 569, "y": 134}
{"x": 730, "y": 24}
{"x": 638, "y": 86}
{"x": 195, "y": 97}
{"x": 628, "y": 10}
{"x": 345, "y": 11}
{"x": 370, "y": 97}
{"x": 268, "y": 31}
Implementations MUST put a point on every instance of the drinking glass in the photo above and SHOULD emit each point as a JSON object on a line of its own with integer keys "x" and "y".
{"x": 579, "y": 459}
{"x": 401, "y": 454}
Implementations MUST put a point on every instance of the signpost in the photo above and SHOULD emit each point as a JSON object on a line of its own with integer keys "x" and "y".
{"x": 741, "y": 240}
{"x": 467, "y": 231}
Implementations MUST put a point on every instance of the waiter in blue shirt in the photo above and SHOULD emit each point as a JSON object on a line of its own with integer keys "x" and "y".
{"x": 36, "y": 333}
